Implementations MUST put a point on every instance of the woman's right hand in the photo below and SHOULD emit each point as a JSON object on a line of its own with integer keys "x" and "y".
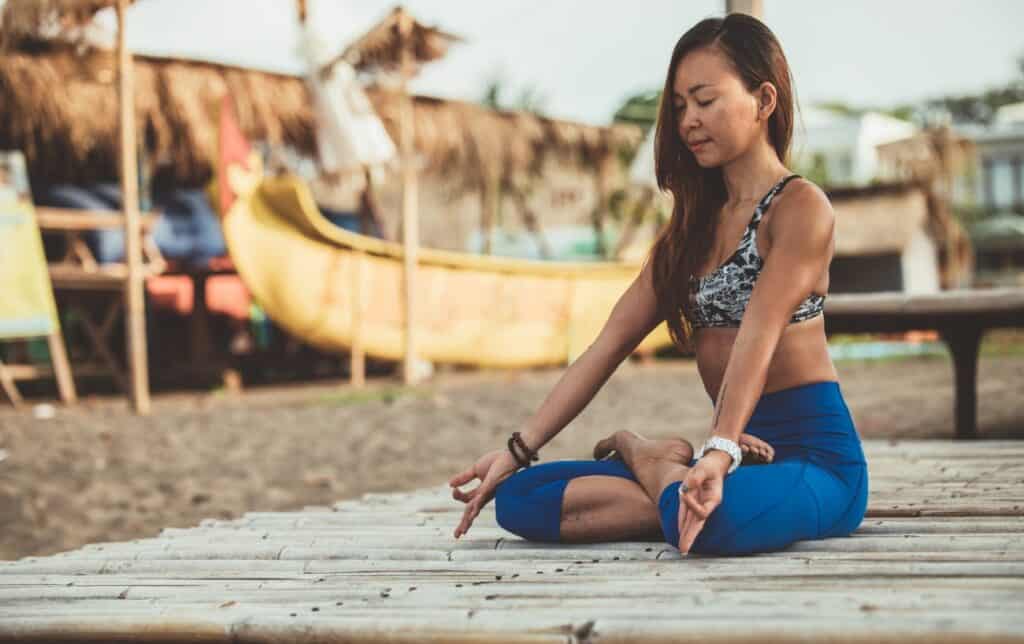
{"x": 491, "y": 469}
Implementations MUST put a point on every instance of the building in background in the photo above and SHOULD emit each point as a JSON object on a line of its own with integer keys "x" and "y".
{"x": 990, "y": 196}
{"x": 837, "y": 149}
{"x": 994, "y": 183}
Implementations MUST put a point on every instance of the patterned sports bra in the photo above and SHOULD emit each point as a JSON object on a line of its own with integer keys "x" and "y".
{"x": 720, "y": 298}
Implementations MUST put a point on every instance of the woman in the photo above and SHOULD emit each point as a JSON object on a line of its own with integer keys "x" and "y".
{"x": 752, "y": 243}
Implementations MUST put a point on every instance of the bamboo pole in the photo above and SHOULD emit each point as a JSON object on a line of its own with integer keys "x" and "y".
{"x": 410, "y": 222}
{"x": 752, "y": 7}
{"x": 135, "y": 305}
{"x": 61, "y": 367}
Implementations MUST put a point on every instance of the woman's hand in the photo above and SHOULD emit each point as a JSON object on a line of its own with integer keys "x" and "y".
{"x": 492, "y": 468}
{"x": 703, "y": 485}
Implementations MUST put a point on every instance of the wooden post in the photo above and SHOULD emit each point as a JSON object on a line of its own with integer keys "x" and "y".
{"x": 135, "y": 305}
{"x": 752, "y": 7}
{"x": 964, "y": 342}
{"x": 410, "y": 222}
{"x": 62, "y": 368}
{"x": 8, "y": 386}
{"x": 489, "y": 203}
{"x": 597, "y": 216}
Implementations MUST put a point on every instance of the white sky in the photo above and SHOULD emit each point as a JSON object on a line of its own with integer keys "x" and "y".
{"x": 585, "y": 57}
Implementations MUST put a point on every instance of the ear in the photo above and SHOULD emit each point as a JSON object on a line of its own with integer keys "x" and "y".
{"x": 767, "y": 96}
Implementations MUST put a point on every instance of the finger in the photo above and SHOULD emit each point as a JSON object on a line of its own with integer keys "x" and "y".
{"x": 462, "y": 478}
{"x": 745, "y": 447}
{"x": 465, "y": 497}
{"x": 686, "y": 524}
{"x": 693, "y": 506}
{"x": 467, "y": 520}
{"x": 690, "y": 534}
{"x": 683, "y": 518}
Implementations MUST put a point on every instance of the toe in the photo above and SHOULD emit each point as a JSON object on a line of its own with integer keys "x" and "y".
{"x": 603, "y": 448}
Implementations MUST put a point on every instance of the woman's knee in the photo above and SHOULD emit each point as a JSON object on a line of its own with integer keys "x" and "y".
{"x": 533, "y": 515}
{"x": 854, "y": 514}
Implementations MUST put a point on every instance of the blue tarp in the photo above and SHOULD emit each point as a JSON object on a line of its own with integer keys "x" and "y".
{"x": 189, "y": 230}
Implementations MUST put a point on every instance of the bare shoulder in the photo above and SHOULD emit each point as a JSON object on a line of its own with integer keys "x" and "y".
{"x": 801, "y": 206}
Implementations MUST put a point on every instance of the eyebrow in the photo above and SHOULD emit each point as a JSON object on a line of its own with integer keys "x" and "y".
{"x": 691, "y": 90}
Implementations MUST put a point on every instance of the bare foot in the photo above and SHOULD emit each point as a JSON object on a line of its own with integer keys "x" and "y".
{"x": 652, "y": 462}
{"x": 630, "y": 446}
{"x": 755, "y": 450}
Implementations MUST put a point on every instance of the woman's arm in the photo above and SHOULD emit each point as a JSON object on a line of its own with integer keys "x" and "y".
{"x": 801, "y": 231}
{"x": 632, "y": 318}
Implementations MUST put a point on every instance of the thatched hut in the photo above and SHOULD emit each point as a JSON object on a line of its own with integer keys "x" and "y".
{"x": 59, "y": 108}
{"x": 896, "y": 237}
{"x": 381, "y": 46}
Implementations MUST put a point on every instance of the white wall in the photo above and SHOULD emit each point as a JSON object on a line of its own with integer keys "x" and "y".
{"x": 920, "y": 264}
{"x": 848, "y": 143}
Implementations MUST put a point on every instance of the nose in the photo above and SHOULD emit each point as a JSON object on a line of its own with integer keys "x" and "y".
{"x": 688, "y": 123}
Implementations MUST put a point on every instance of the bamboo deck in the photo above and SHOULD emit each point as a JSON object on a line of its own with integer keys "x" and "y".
{"x": 940, "y": 557}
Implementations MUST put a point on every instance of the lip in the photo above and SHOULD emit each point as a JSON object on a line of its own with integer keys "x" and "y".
{"x": 695, "y": 146}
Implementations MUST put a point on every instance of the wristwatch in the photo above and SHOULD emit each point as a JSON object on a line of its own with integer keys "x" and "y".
{"x": 727, "y": 446}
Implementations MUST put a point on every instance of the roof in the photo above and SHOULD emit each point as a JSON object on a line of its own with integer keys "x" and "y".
{"x": 25, "y": 21}
{"x": 60, "y": 109}
{"x": 381, "y": 46}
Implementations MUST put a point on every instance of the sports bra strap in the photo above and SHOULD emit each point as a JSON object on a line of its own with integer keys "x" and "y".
{"x": 767, "y": 199}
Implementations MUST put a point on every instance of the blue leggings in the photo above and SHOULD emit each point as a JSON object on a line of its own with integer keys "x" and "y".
{"x": 815, "y": 488}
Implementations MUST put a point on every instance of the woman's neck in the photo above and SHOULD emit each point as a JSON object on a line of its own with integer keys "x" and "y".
{"x": 749, "y": 177}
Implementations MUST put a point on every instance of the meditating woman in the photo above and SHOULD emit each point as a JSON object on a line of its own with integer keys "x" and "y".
{"x": 740, "y": 273}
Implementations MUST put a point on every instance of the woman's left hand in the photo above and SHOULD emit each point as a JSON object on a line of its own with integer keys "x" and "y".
{"x": 703, "y": 485}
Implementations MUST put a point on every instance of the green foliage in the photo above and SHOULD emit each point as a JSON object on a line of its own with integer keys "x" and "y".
{"x": 530, "y": 99}
{"x": 839, "y": 107}
{"x": 640, "y": 109}
{"x": 814, "y": 170}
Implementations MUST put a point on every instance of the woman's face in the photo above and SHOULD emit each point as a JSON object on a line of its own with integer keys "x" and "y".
{"x": 712, "y": 105}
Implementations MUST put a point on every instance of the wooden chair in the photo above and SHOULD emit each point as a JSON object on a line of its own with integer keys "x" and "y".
{"x": 96, "y": 291}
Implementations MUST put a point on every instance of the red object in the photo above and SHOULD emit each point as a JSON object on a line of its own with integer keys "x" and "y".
{"x": 232, "y": 148}
{"x": 225, "y": 295}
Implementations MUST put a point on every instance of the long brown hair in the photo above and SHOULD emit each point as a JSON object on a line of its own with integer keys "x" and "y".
{"x": 684, "y": 244}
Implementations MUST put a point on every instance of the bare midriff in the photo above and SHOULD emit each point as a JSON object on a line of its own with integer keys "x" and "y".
{"x": 801, "y": 356}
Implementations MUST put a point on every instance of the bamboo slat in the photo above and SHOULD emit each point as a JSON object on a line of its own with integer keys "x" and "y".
{"x": 939, "y": 558}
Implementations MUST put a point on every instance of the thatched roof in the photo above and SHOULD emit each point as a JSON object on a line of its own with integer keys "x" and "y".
{"x": 381, "y": 46}
{"x": 30, "y": 22}
{"x": 932, "y": 153}
{"x": 61, "y": 110}
{"x": 878, "y": 219}
{"x": 885, "y": 217}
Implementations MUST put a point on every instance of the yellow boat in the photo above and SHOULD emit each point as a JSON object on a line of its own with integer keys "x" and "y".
{"x": 329, "y": 286}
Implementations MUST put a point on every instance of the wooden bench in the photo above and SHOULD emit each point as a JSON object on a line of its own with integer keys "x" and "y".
{"x": 960, "y": 316}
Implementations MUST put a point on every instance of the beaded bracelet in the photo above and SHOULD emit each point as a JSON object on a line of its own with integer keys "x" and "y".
{"x": 523, "y": 461}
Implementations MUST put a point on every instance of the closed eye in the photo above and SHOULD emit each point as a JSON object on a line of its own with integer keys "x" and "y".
{"x": 680, "y": 107}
